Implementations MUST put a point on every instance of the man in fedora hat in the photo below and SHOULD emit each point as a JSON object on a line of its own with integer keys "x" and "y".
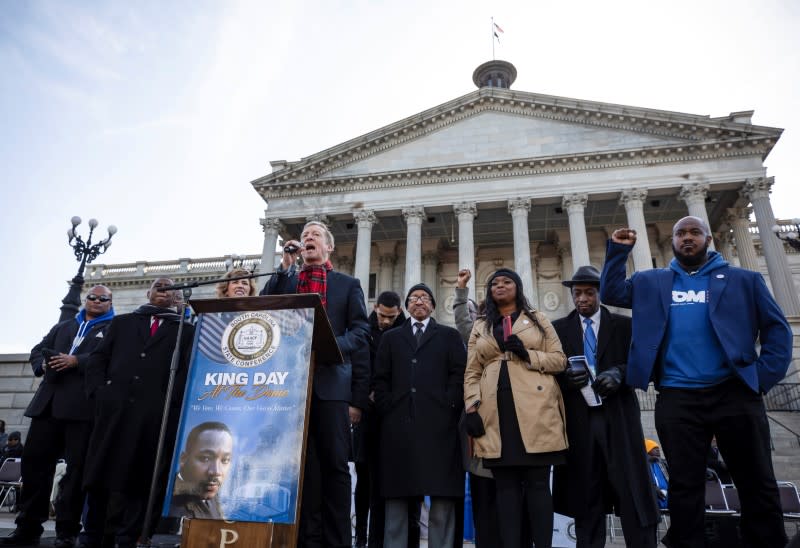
{"x": 606, "y": 468}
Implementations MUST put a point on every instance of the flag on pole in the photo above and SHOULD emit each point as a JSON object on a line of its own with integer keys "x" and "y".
{"x": 496, "y": 30}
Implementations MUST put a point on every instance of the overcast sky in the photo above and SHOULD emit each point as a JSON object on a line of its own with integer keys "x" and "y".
{"x": 155, "y": 116}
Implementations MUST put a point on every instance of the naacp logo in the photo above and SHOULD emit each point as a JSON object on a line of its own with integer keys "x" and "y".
{"x": 250, "y": 339}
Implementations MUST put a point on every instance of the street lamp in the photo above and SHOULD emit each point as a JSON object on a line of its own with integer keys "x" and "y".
{"x": 791, "y": 237}
{"x": 85, "y": 253}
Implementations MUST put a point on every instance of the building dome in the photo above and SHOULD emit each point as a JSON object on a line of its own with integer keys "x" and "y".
{"x": 495, "y": 74}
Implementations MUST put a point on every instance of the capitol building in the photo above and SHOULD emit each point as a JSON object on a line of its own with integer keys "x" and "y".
{"x": 501, "y": 177}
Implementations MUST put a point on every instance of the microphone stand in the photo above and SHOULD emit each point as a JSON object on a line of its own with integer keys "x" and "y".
{"x": 186, "y": 288}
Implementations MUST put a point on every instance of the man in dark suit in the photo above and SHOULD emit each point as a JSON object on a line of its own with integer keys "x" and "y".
{"x": 61, "y": 422}
{"x": 606, "y": 469}
{"x": 127, "y": 378}
{"x": 339, "y": 391}
{"x": 419, "y": 376}
{"x": 695, "y": 325}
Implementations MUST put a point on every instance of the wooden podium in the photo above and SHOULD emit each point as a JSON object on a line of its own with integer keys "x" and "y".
{"x": 208, "y": 533}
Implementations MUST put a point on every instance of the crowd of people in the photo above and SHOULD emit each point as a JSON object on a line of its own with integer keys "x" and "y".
{"x": 507, "y": 395}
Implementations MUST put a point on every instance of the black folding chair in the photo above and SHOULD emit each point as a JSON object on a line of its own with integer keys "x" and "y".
{"x": 10, "y": 479}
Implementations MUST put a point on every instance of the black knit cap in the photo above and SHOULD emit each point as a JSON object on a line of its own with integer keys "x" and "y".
{"x": 424, "y": 288}
{"x": 508, "y": 273}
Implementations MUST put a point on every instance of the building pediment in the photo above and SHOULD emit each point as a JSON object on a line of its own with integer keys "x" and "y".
{"x": 496, "y": 129}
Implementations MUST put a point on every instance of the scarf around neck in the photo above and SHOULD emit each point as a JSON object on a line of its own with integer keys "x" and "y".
{"x": 161, "y": 313}
{"x": 84, "y": 326}
{"x": 313, "y": 278}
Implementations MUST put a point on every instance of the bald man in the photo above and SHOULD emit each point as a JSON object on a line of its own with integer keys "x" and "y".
{"x": 127, "y": 379}
{"x": 694, "y": 329}
{"x": 61, "y": 422}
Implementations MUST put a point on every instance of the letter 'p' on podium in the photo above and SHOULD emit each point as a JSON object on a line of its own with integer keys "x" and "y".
{"x": 237, "y": 470}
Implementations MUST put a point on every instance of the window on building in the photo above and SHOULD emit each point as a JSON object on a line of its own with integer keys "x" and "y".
{"x": 373, "y": 282}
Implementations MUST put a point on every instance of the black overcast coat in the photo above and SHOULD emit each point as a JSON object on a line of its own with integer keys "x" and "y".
{"x": 127, "y": 379}
{"x": 419, "y": 394}
{"x": 62, "y": 395}
{"x": 624, "y": 424}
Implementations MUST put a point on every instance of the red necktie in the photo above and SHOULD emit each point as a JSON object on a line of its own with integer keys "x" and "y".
{"x": 154, "y": 326}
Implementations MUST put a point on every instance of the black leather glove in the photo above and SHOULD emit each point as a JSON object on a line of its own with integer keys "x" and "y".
{"x": 576, "y": 377}
{"x": 514, "y": 344}
{"x": 608, "y": 381}
{"x": 474, "y": 425}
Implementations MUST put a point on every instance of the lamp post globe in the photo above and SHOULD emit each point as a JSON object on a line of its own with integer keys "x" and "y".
{"x": 85, "y": 252}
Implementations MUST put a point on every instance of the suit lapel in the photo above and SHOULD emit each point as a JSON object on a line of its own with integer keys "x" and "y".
{"x": 407, "y": 332}
{"x": 717, "y": 282}
{"x": 665, "y": 278}
{"x": 604, "y": 335}
{"x": 575, "y": 334}
{"x": 429, "y": 332}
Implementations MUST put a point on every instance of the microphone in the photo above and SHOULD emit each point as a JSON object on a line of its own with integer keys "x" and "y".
{"x": 291, "y": 248}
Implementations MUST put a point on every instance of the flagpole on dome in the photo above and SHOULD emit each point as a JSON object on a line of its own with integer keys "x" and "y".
{"x": 495, "y": 29}
{"x": 493, "y": 36}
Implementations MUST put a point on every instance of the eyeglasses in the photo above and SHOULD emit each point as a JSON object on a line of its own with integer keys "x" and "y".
{"x": 419, "y": 299}
{"x": 101, "y": 298}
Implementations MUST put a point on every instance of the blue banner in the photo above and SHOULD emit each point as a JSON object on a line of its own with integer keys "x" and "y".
{"x": 238, "y": 450}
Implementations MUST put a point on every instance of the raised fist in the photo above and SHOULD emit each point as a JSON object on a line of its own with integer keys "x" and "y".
{"x": 625, "y": 236}
{"x": 464, "y": 276}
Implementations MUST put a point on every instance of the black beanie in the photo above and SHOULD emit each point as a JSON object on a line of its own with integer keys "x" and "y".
{"x": 508, "y": 273}
{"x": 424, "y": 288}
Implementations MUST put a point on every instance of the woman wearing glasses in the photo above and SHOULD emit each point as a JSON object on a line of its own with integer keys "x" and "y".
{"x": 515, "y": 411}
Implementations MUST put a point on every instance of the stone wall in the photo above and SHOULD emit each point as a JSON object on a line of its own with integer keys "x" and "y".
{"x": 17, "y": 386}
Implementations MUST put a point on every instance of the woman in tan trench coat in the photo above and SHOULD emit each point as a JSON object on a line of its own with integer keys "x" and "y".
{"x": 515, "y": 411}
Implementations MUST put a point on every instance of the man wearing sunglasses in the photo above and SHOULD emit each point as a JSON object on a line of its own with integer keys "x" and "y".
{"x": 61, "y": 422}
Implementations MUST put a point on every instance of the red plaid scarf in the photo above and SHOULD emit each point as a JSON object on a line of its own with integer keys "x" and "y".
{"x": 313, "y": 278}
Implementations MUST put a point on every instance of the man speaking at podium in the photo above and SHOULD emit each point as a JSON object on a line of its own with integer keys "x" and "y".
{"x": 339, "y": 391}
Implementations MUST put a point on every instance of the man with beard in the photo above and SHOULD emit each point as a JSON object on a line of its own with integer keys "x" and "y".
{"x": 694, "y": 329}
{"x": 204, "y": 464}
{"x": 339, "y": 391}
{"x": 127, "y": 378}
{"x": 61, "y": 422}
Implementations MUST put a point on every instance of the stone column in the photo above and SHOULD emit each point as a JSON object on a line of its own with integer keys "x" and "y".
{"x": 739, "y": 219}
{"x": 465, "y": 213}
{"x": 533, "y": 298}
{"x": 272, "y": 229}
{"x": 694, "y": 194}
{"x": 413, "y": 216}
{"x": 633, "y": 200}
{"x": 575, "y": 204}
{"x": 386, "y": 273}
{"x": 364, "y": 218}
{"x": 780, "y": 277}
{"x": 726, "y": 244}
{"x": 519, "y": 209}
{"x": 430, "y": 272}
{"x": 567, "y": 269}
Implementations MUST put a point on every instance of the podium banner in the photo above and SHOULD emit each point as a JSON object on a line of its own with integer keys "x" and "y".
{"x": 240, "y": 437}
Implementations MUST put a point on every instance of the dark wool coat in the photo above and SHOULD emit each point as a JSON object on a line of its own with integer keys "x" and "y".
{"x": 127, "y": 379}
{"x": 62, "y": 395}
{"x": 348, "y": 381}
{"x": 628, "y": 462}
{"x": 419, "y": 394}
